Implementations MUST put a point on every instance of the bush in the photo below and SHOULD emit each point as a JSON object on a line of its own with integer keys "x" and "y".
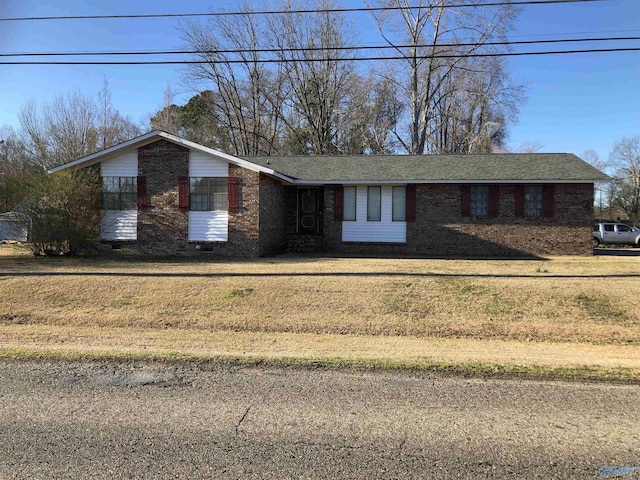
{"x": 65, "y": 213}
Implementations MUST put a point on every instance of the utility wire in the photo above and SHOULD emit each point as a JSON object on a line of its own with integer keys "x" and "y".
{"x": 338, "y": 59}
{"x": 315, "y": 49}
{"x": 281, "y": 12}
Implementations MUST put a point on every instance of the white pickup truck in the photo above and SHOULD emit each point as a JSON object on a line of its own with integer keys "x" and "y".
{"x": 615, "y": 233}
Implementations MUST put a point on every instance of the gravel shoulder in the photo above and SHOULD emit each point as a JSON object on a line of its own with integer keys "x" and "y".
{"x": 153, "y": 420}
{"x": 542, "y": 360}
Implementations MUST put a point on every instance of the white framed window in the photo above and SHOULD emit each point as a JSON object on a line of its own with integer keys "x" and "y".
{"x": 119, "y": 193}
{"x": 374, "y": 207}
{"x": 350, "y": 204}
{"x": 208, "y": 194}
{"x": 399, "y": 204}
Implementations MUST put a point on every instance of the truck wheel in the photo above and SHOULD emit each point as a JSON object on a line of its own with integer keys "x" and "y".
{"x": 596, "y": 242}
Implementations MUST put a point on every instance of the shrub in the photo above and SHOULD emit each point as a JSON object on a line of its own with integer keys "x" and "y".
{"x": 65, "y": 213}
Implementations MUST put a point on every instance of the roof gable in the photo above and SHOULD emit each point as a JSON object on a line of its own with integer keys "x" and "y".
{"x": 152, "y": 137}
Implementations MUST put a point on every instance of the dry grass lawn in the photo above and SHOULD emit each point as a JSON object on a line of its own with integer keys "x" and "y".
{"x": 565, "y": 299}
{"x": 580, "y": 300}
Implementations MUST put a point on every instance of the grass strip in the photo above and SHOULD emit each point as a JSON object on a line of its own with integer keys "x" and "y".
{"x": 466, "y": 369}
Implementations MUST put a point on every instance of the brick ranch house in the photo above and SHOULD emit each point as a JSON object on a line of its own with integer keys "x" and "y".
{"x": 164, "y": 195}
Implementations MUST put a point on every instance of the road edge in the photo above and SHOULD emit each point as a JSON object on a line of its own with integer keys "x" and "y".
{"x": 619, "y": 375}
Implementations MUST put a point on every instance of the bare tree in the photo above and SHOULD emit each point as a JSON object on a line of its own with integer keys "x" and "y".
{"x": 61, "y": 130}
{"x": 113, "y": 128}
{"x": 603, "y": 190}
{"x": 316, "y": 75}
{"x": 69, "y": 127}
{"x": 371, "y": 114}
{"x": 297, "y": 104}
{"x": 455, "y": 102}
{"x": 473, "y": 108}
{"x": 625, "y": 159}
{"x": 15, "y": 171}
{"x": 529, "y": 146}
{"x": 247, "y": 94}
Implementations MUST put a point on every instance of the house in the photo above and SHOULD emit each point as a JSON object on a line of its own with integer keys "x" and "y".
{"x": 164, "y": 195}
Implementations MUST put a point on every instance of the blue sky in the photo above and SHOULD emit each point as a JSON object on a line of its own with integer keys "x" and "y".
{"x": 575, "y": 102}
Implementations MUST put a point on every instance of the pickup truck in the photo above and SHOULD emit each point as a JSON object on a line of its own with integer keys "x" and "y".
{"x": 615, "y": 233}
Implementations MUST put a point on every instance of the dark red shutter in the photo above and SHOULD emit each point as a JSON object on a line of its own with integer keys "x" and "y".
{"x": 338, "y": 202}
{"x": 519, "y": 201}
{"x": 465, "y": 200}
{"x": 494, "y": 200}
{"x": 183, "y": 192}
{"x": 142, "y": 192}
{"x": 233, "y": 185}
{"x": 548, "y": 203}
{"x": 410, "y": 203}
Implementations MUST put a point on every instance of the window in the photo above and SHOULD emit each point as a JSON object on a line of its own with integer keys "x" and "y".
{"x": 119, "y": 193}
{"x": 609, "y": 228}
{"x": 349, "y": 210}
{"x": 208, "y": 193}
{"x": 624, "y": 228}
{"x": 533, "y": 201}
{"x": 479, "y": 200}
{"x": 373, "y": 204}
{"x": 399, "y": 204}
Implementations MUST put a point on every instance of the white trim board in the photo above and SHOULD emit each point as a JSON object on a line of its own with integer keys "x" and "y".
{"x": 151, "y": 137}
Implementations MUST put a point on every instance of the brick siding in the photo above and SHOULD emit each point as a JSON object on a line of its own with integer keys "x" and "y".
{"x": 162, "y": 226}
{"x": 440, "y": 230}
{"x": 273, "y": 205}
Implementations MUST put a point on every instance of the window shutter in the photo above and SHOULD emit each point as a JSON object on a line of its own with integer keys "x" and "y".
{"x": 519, "y": 201}
{"x": 410, "y": 205}
{"x": 465, "y": 200}
{"x": 183, "y": 192}
{"x": 548, "y": 192}
{"x": 338, "y": 202}
{"x": 142, "y": 192}
{"x": 494, "y": 200}
{"x": 233, "y": 187}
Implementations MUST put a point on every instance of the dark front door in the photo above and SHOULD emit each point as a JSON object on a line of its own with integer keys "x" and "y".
{"x": 309, "y": 211}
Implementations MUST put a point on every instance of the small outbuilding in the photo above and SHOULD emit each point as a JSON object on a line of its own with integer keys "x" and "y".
{"x": 14, "y": 226}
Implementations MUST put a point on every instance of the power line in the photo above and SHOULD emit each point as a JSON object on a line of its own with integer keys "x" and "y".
{"x": 281, "y": 12}
{"x": 315, "y": 49}
{"x": 338, "y": 59}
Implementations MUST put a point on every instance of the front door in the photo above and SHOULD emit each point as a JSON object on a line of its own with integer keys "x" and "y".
{"x": 309, "y": 211}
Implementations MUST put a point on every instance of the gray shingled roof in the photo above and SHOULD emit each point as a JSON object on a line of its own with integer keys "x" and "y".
{"x": 490, "y": 167}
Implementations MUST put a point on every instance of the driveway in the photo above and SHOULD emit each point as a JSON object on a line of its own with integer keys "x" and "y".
{"x": 158, "y": 421}
{"x": 617, "y": 252}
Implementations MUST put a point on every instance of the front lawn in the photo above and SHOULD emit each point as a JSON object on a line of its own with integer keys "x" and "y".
{"x": 586, "y": 301}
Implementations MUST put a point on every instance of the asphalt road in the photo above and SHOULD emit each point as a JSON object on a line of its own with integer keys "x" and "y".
{"x": 158, "y": 421}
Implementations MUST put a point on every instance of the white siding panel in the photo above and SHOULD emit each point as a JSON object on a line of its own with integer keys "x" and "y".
{"x": 119, "y": 225}
{"x": 203, "y": 165}
{"x": 385, "y": 230}
{"x": 124, "y": 165}
{"x": 208, "y": 226}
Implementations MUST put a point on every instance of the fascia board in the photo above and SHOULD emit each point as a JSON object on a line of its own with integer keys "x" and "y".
{"x": 109, "y": 152}
{"x": 396, "y": 182}
{"x": 153, "y": 136}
